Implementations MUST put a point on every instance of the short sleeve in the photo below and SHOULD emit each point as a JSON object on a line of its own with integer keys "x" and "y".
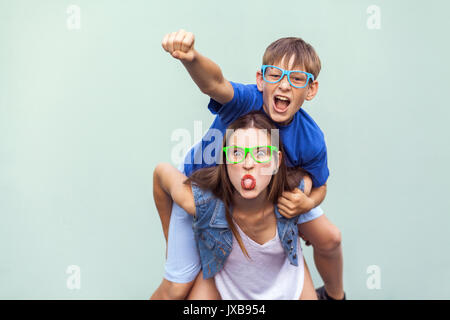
{"x": 317, "y": 167}
{"x": 201, "y": 196}
{"x": 205, "y": 202}
{"x": 246, "y": 98}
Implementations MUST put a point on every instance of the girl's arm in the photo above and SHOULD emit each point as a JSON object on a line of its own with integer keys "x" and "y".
{"x": 168, "y": 186}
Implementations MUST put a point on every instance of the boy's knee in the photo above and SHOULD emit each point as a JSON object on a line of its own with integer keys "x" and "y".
{"x": 332, "y": 240}
{"x": 176, "y": 291}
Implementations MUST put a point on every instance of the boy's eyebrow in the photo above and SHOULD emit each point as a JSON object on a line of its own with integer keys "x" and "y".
{"x": 295, "y": 68}
{"x": 258, "y": 145}
{"x": 285, "y": 67}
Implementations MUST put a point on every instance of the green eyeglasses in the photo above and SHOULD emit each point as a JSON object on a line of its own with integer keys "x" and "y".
{"x": 261, "y": 154}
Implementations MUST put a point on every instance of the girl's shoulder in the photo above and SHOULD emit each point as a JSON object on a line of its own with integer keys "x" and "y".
{"x": 207, "y": 205}
{"x": 202, "y": 196}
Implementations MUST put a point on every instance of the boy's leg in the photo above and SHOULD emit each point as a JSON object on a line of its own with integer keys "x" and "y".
{"x": 183, "y": 262}
{"x": 204, "y": 289}
{"x": 169, "y": 290}
{"x": 326, "y": 241}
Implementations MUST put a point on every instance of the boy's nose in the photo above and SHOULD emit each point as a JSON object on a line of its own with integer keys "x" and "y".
{"x": 284, "y": 82}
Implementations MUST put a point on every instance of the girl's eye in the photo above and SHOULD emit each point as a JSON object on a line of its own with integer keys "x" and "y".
{"x": 261, "y": 153}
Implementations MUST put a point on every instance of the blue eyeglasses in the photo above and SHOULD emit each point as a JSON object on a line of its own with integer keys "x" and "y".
{"x": 296, "y": 78}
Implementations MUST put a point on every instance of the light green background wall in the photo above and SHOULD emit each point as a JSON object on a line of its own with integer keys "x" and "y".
{"x": 85, "y": 115}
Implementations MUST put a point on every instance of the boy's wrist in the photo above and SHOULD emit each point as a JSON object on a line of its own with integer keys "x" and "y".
{"x": 317, "y": 195}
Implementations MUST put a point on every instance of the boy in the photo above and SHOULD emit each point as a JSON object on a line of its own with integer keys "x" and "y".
{"x": 287, "y": 78}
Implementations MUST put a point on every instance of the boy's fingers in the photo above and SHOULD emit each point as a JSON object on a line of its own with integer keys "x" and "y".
{"x": 284, "y": 211}
{"x": 170, "y": 42}
{"x": 188, "y": 42}
{"x": 183, "y": 56}
{"x": 178, "y": 44}
{"x": 178, "y": 55}
{"x": 164, "y": 41}
{"x": 288, "y": 195}
{"x": 178, "y": 39}
{"x": 293, "y": 195}
{"x": 286, "y": 203}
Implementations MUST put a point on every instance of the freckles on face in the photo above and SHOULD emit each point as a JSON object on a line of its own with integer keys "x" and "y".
{"x": 249, "y": 177}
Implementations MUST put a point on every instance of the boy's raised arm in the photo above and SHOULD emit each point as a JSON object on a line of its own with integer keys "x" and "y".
{"x": 205, "y": 73}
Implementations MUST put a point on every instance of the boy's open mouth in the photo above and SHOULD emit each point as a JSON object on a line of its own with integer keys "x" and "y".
{"x": 248, "y": 182}
{"x": 281, "y": 103}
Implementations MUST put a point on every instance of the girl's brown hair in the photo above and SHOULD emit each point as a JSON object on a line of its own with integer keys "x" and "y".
{"x": 217, "y": 181}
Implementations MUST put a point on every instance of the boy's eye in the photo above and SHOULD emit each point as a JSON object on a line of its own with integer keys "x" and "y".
{"x": 272, "y": 72}
{"x": 298, "y": 77}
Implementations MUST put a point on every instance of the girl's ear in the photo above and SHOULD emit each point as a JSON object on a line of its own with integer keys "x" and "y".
{"x": 278, "y": 162}
{"x": 280, "y": 157}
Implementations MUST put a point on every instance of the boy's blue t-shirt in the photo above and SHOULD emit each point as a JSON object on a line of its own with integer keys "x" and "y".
{"x": 302, "y": 138}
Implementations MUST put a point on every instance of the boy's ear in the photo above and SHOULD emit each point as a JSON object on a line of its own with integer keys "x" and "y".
{"x": 259, "y": 80}
{"x": 312, "y": 90}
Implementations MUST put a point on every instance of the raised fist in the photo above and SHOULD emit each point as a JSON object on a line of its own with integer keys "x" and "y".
{"x": 180, "y": 45}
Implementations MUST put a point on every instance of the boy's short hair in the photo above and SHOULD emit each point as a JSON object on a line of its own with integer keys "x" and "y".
{"x": 305, "y": 55}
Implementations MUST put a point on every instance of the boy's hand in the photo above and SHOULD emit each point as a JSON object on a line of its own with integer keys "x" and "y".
{"x": 293, "y": 203}
{"x": 180, "y": 45}
{"x": 205, "y": 72}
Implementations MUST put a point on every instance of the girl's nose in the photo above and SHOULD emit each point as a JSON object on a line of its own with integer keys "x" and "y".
{"x": 248, "y": 161}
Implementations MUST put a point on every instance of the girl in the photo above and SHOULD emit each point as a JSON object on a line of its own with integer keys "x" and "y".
{"x": 247, "y": 249}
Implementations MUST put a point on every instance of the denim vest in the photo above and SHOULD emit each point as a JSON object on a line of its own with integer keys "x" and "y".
{"x": 214, "y": 237}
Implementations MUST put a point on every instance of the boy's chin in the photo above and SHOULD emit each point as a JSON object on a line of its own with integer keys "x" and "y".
{"x": 279, "y": 118}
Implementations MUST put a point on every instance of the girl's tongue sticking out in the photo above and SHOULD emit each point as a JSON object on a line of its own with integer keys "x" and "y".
{"x": 248, "y": 182}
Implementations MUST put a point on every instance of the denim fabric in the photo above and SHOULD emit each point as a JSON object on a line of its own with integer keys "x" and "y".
{"x": 214, "y": 238}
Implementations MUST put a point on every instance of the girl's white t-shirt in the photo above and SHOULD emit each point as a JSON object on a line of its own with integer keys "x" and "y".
{"x": 267, "y": 276}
